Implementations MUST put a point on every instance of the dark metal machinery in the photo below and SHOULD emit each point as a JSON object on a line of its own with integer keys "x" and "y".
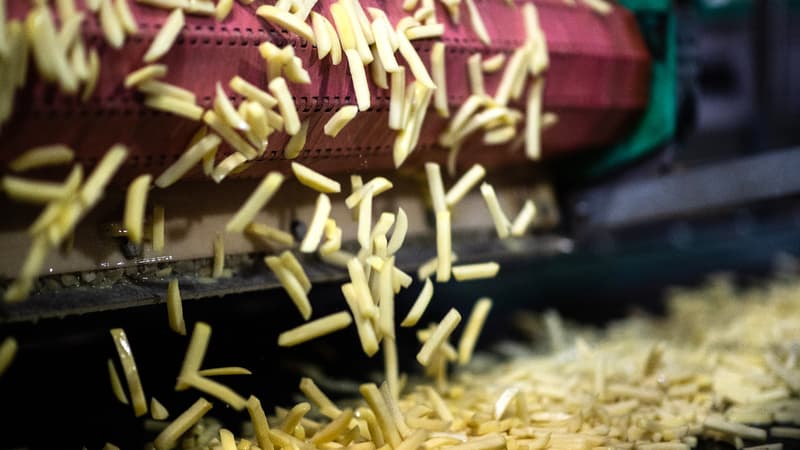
{"x": 723, "y": 195}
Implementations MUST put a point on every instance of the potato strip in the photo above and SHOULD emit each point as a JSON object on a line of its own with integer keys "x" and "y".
{"x": 439, "y": 75}
{"x": 386, "y": 299}
{"x": 126, "y": 17}
{"x": 443, "y": 246}
{"x": 364, "y": 232}
{"x": 315, "y": 329}
{"x": 135, "y": 204}
{"x": 339, "y": 120}
{"x": 225, "y": 109}
{"x": 383, "y": 43}
{"x": 260, "y": 196}
{"x": 224, "y": 371}
{"x": 166, "y": 36}
{"x": 46, "y": 156}
{"x": 396, "y": 99}
{"x": 173, "y": 105}
{"x": 419, "y": 306}
{"x": 501, "y": 222}
{"x": 524, "y": 219}
{"x": 294, "y": 416}
{"x": 218, "y": 265}
{"x": 252, "y": 92}
{"x": 287, "y": 21}
{"x": 336, "y": 45}
{"x": 414, "y": 440}
{"x": 601, "y": 7}
{"x": 146, "y": 73}
{"x": 290, "y": 262}
{"x": 515, "y": 69}
{"x": 194, "y": 353}
{"x": 270, "y": 234}
{"x": 475, "y": 271}
{"x": 378, "y": 406}
{"x": 443, "y": 330}
{"x": 483, "y": 443}
{"x": 471, "y": 332}
{"x": 464, "y": 184}
{"x": 475, "y": 74}
{"x": 380, "y": 77}
{"x": 116, "y": 384}
{"x": 477, "y": 22}
{"x": 435, "y": 187}
{"x": 317, "y": 226}
{"x": 320, "y": 35}
{"x": 157, "y": 410}
{"x": 493, "y": 63}
{"x": 315, "y": 180}
{"x": 215, "y": 389}
{"x": 718, "y": 424}
{"x": 313, "y": 393}
{"x": 431, "y": 31}
{"x": 334, "y": 429}
{"x": 30, "y": 191}
{"x": 533, "y": 120}
{"x": 167, "y": 439}
{"x": 399, "y": 233}
{"x": 223, "y": 9}
{"x": 366, "y": 332}
{"x": 175, "y": 308}
{"x": 260, "y": 423}
{"x": 111, "y": 25}
{"x": 280, "y": 90}
{"x": 415, "y": 64}
{"x": 131, "y": 372}
{"x": 94, "y": 75}
{"x": 359, "y": 79}
{"x": 391, "y": 371}
{"x": 377, "y": 185}
{"x": 226, "y": 132}
{"x": 291, "y": 284}
{"x": 187, "y": 160}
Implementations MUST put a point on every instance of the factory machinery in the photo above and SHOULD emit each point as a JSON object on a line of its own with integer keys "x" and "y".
{"x": 589, "y": 151}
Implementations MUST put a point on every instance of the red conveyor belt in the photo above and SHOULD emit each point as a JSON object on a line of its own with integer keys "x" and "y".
{"x": 597, "y": 84}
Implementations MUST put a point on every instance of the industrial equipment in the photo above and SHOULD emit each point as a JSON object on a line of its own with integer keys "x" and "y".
{"x": 254, "y": 156}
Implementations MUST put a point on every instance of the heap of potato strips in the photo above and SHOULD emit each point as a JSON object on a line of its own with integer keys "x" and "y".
{"x": 718, "y": 364}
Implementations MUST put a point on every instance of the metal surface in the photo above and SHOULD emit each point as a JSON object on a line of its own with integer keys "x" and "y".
{"x": 139, "y": 287}
{"x": 698, "y": 190}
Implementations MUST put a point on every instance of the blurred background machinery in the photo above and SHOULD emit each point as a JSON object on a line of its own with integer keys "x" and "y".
{"x": 703, "y": 182}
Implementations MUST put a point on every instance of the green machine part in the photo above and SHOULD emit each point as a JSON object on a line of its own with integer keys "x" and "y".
{"x": 656, "y": 20}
